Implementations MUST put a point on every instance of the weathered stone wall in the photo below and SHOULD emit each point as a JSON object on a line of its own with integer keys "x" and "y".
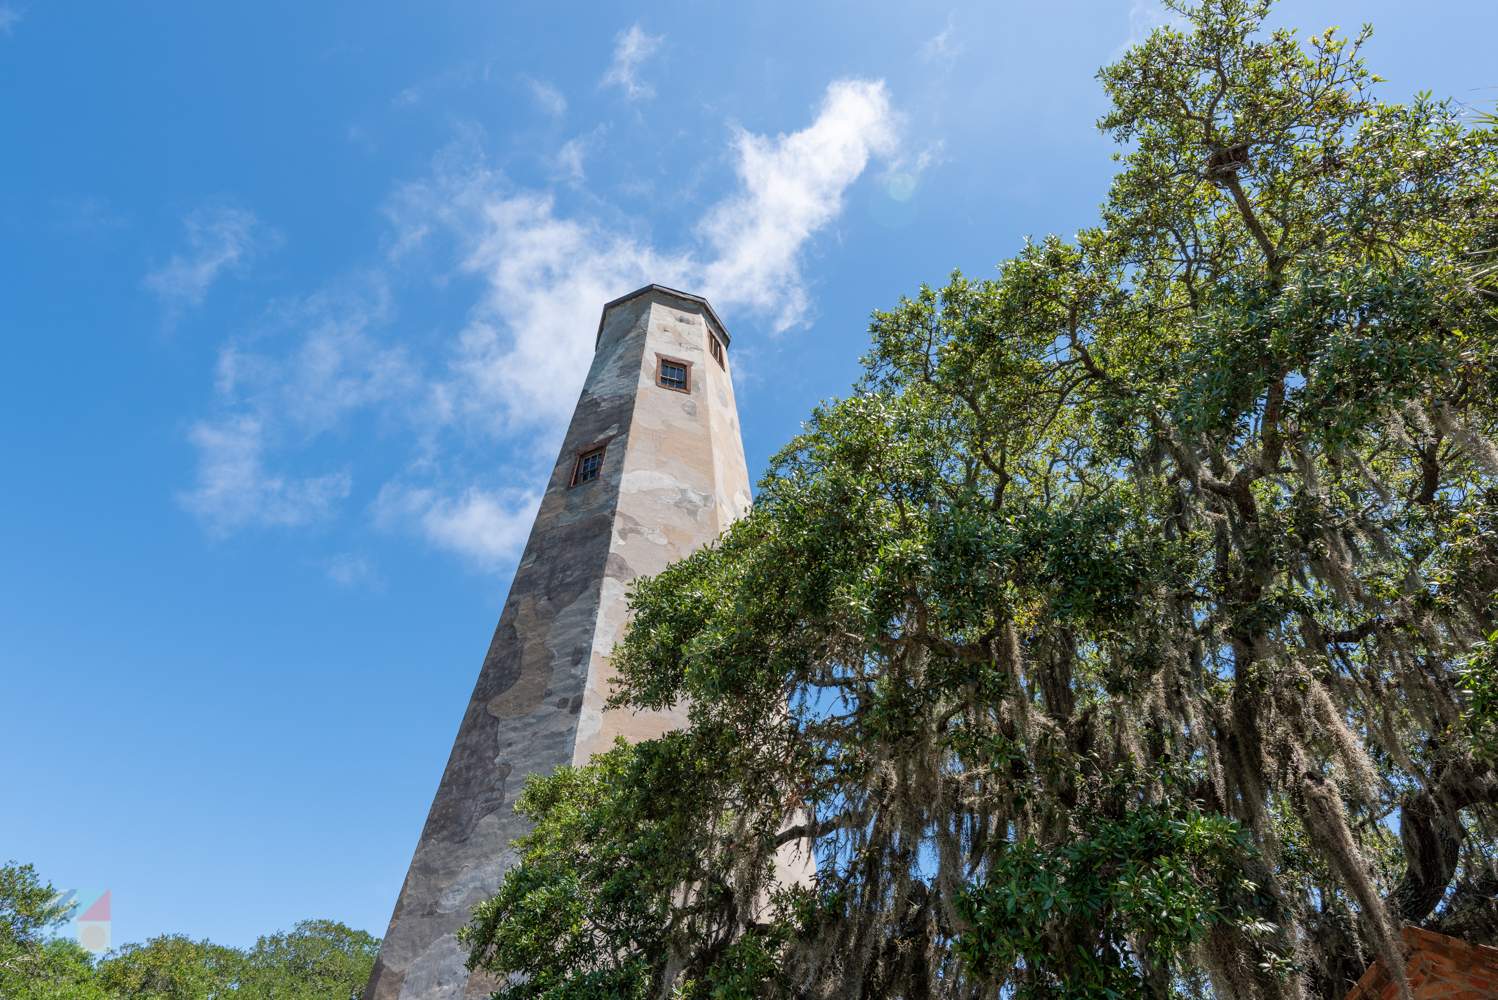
{"x": 673, "y": 478}
{"x": 684, "y": 481}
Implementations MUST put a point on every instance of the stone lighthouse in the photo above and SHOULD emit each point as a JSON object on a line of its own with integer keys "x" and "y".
{"x": 652, "y": 468}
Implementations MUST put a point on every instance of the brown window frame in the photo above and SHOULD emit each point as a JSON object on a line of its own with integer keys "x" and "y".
{"x": 665, "y": 359}
{"x": 602, "y": 449}
{"x": 715, "y": 348}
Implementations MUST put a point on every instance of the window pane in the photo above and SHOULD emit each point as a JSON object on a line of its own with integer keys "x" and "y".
{"x": 588, "y": 468}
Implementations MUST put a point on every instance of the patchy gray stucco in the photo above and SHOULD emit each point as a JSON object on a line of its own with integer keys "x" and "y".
{"x": 673, "y": 478}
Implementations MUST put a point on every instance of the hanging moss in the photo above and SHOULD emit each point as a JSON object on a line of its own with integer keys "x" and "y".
{"x": 1095, "y": 644}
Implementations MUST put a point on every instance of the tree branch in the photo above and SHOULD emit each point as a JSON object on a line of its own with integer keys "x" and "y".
{"x": 1275, "y": 262}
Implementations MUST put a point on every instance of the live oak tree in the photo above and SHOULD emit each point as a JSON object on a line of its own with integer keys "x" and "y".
{"x": 1101, "y": 640}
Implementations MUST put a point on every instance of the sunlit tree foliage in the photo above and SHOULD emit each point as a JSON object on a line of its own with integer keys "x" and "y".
{"x": 1124, "y": 631}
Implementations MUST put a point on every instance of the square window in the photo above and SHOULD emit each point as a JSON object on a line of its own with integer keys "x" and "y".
{"x": 589, "y": 466}
{"x": 715, "y": 346}
{"x": 673, "y": 373}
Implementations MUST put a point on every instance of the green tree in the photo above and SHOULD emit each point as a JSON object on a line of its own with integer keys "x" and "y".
{"x": 316, "y": 960}
{"x": 69, "y": 973}
{"x": 1092, "y": 645}
{"x": 172, "y": 967}
{"x": 28, "y": 907}
{"x": 31, "y": 966}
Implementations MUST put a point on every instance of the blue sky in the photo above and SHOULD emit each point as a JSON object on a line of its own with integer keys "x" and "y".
{"x": 297, "y": 298}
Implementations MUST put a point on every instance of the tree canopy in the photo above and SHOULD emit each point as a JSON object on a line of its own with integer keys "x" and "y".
{"x": 30, "y": 965}
{"x": 1127, "y": 630}
{"x": 316, "y": 960}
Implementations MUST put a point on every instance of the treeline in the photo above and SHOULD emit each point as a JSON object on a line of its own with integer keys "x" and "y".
{"x": 316, "y": 960}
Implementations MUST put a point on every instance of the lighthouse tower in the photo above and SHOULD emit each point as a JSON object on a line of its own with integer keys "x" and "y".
{"x": 652, "y": 469}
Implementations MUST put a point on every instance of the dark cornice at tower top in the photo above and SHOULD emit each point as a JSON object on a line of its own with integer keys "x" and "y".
{"x": 674, "y": 293}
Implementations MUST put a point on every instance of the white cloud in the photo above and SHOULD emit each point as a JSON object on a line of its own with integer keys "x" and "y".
{"x": 519, "y": 362}
{"x": 489, "y": 527}
{"x": 9, "y": 16}
{"x": 521, "y": 359}
{"x": 1144, "y": 17}
{"x": 234, "y": 490}
{"x": 547, "y": 97}
{"x": 631, "y": 48}
{"x": 269, "y": 400}
{"x": 349, "y": 570}
{"x": 95, "y": 216}
{"x": 338, "y": 366}
{"x": 218, "y": 238}
{"x": 793, "y": 186}
{"x": 514, "y": 369}
{"x": 902, "y": 178}
{"x": 943, "y": 47}
{"x": 570, "y": 157}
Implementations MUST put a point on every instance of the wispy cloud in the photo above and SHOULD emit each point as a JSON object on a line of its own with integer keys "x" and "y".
{"x": 945, "y": 46}
{"x": 902, "y": 176}
{"x": 489, "y": 527}
{"x": 514, "y": 368}
{"x": 349, "y": 570}
{"x": 235, "y": 490}
{"x": 1144, "y": 17}
{"x": 631, "y": 48}
{"x": 9, "y": 16}
{"x": 95, "y": 216}
{"x": 461, "y": 75}
{"x": 217, "y": 239}
{"x": 548, "y": 98}
{"x": 570, "y": 157}
{"x": 271, "y": 403}
{"x": 792, "y": 186}
{"x": 519, "y": 361}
